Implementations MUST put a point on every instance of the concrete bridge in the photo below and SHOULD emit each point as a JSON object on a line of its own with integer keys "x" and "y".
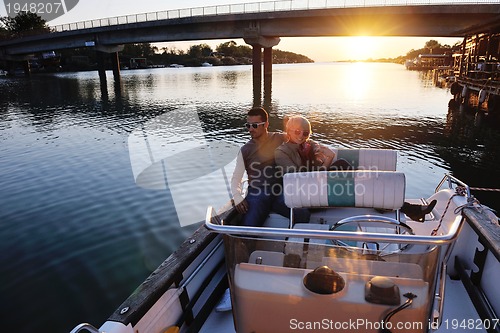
{"x": 262, "y": 24}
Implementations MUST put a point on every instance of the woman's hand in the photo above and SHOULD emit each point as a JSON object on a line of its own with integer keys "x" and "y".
{"x": 324, "y": 156}
{"x": 320, "y": 158}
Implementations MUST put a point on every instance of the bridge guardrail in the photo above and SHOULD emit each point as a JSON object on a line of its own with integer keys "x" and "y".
{"x": 254, "y": 7}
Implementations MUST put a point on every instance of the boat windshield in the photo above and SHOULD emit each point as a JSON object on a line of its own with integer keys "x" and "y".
{"x": 278, "y": 283}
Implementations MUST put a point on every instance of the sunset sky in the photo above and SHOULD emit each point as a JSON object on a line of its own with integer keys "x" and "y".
{"x": 317, "y": 48}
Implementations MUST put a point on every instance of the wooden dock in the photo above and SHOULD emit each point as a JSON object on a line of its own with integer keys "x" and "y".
{"x": 477, "y": 71}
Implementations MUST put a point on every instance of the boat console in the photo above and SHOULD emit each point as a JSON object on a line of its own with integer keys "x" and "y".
{"x": 360, "y": 266}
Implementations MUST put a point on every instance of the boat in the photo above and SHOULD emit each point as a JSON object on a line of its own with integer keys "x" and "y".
{"x": 359, "y": 265}
{"x": 206, "y": 64}
{"x": 428, "y": 62}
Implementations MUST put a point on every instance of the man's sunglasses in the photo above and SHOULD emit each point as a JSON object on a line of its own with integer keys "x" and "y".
{"x": 254, "y": 125}
{"x": 304, "y": 133}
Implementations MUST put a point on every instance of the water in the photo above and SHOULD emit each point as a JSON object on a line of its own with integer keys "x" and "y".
{"x": 77, "y": 235}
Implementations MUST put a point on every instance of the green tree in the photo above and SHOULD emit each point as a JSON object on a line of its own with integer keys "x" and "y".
{"x": 231, "y": 49}
{"x": 200, "y": 51}
{"x": 24, "y": 23}
{"x": 142, "y": 50}
{"x": 432, "y": 44}
{"x": 285, "y": 57}
{"x": 227, "y": 48}
{"x": 3, "y": 32}
{"x": 434, "y": 47}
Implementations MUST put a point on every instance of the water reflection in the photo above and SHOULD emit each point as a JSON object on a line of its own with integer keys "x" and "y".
{"x": 171, "y": 152}
{"x": 81, "y": 230}
{"x": 359, "y": 82}
{"x": 470, "y": 145}
{"x": 427, "y": 78}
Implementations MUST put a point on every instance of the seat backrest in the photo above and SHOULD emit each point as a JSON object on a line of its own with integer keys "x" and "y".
{"x": 359, "y": 188}
{"x": 369, "y": 159}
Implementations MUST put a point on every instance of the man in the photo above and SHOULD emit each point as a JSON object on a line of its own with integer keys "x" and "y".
{"x": 256, "y": 157}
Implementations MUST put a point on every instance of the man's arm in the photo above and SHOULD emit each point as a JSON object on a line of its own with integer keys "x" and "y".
{"x": 236, "y": 188}
{"x": 284, "y": 162}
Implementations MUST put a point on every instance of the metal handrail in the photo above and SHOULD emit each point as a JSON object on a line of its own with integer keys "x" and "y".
{"x": 453, "y": 180}
{"x": 254, "y": 7}
{"x": 85, "y": 326}
{"x": 336, "y": 234}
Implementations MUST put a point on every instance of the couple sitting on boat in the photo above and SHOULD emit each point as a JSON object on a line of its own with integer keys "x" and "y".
{"x": 268, "y": 155}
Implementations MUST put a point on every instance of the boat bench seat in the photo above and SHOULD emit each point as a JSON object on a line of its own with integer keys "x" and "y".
{"x": 368, "y": 159}
{"x": 359, "y": 188}
{"x": 359, "y": 159}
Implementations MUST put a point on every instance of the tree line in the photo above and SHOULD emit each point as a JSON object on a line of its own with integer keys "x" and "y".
{"x": 227, "y": 53}
{"x": 224, "y": 54}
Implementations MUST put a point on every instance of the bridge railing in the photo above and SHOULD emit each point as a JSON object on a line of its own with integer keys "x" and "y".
{"x": 255, "y": 7}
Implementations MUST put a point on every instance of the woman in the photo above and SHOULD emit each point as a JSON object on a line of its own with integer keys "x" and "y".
{"x": 299, "y": 153}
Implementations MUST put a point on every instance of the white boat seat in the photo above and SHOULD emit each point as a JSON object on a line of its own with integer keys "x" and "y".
{"x": 360, "y": 188}
{"x": 368, "y": 159}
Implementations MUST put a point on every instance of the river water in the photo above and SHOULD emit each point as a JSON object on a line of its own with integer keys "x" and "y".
{"x": 78, "y": 235}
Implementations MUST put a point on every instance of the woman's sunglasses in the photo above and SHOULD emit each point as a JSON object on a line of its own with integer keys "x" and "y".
{"x": 254, "y": 125}
{"x": 299, "y": 132}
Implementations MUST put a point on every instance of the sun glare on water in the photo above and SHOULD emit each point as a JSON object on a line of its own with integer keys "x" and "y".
{"x": 358, "y": 82}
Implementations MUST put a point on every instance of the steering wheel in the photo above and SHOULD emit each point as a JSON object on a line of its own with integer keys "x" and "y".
{"x": 373, "y": 224}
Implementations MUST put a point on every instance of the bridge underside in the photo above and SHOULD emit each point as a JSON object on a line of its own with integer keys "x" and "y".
{"x": 411, "y": 21}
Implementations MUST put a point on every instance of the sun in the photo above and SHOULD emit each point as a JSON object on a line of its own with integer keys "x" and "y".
{"x": 361, "y": 47}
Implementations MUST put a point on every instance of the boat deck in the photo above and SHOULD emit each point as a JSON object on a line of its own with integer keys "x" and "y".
{"x": 459, "y": 314}
{"x": 267, "y": 269}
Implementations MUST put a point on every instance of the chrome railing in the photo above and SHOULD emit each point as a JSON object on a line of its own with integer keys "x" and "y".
{"x": 86, "y": 327}
{"x": 450, "y": 180}
{"x": 334, "y": 234}
{"x": 254, "y": 7}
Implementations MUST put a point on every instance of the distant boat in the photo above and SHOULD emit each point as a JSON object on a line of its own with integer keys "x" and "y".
{"x": 206, "y": 64}
{"x": 176, "y": 66}
{"x": 428, "y": 61}
{"x": 3, "y": 73}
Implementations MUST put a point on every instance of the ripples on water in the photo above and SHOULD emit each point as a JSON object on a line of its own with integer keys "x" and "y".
{"x": 78, "y": 236}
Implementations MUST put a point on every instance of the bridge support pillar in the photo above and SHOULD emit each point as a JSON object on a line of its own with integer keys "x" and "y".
{"x": 113, "y": 50}
{"x": 268, "y": 75}
{"x": 258, "y": 43}
{"x": 256, "y": 74}
{"x": 27, "y": 68}
{"x": 115, "y": 64}
{"x": 101, "y": 69}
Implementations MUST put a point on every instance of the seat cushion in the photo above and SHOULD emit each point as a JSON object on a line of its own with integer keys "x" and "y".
{"x": 369, "y": 159}
{"x": 360, "y": 188}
